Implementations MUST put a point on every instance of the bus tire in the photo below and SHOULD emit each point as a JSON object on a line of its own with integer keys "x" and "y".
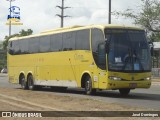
{"x": 88, "y": 86}
{"x": 23, "y": 83}
{"x": 31, "y": 85}
{"x": 124, "y": 91}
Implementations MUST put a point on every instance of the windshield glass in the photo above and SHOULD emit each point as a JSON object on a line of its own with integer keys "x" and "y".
{"x": 128, "y": 50}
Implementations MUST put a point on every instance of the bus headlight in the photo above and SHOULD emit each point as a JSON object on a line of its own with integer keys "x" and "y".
{"x": 147, "y": 78}
{"x": 114, "y": 78}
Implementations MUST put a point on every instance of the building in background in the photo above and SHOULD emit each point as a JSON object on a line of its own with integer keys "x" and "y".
{"x": 156, "y": 60}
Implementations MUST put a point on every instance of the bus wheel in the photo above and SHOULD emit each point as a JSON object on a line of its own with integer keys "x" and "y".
{"x": 124, "y": 91}
{"x": 88, "y": 86}
{"x": 30, "y": 82}
{"x": 24, "y": 85}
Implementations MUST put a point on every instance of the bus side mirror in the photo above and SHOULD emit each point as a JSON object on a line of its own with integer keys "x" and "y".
{"x": 102, "y": 53}
{"x": 151, "y": 47}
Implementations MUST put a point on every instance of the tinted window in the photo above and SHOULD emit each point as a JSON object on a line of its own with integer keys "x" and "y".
{"x": 56, "y": 42}
{"x": 97, "y": 37}
{"x": 44, "y": 43}
{"x": 15, "y": 46}
{"x": 10, "y": 48}
{"x": 82, "y": 40}
{"x": 69, "y": 41}
{"x": 33, "y": 45}
{"x": 98, "y": 48}
{"x": 24, "y": 46}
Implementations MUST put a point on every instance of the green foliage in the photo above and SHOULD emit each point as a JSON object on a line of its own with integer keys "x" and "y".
{"x": 25, "y": 33}
{"x": 148, "y": 17}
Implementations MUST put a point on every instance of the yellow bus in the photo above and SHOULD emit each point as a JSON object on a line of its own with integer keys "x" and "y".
{"x": 95, "y": 57}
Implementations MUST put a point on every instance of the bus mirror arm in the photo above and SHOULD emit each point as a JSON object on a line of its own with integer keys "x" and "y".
{"x": 107, "y": 46}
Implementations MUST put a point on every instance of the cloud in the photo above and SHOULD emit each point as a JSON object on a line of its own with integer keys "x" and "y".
{"x": 40, "y": 15}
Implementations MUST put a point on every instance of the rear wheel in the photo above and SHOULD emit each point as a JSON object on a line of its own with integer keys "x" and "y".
{"x": 88, "y": 86}
{"x": 23, "y": 83}
{"x": 124, "y": 91}
{"x": 31, "y": 85}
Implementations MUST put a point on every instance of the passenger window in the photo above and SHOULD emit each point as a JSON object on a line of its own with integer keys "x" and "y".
{"x": 24, "y": 46}
{"x": 15, "y": 45}
{"x": 56, "y": 42}
{"x": 82, "y": 40}
{"x": 44, "y": 43}
{"x": 34, "y": 45}
{"x": 69, "y": 41}
{"x": 97, "y": 37}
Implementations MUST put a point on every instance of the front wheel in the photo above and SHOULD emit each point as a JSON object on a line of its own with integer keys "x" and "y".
{"x": 124, "y": 91}
{"x": 88, "y": 86}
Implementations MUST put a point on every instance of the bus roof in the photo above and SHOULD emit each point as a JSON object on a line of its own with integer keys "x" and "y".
{"x": 72, "y": 28}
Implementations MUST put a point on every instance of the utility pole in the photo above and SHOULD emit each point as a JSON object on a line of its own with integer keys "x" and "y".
{"x": 109, "y": 15}
{"x": 62, "y": 16}
{"x": 10, "y": 23}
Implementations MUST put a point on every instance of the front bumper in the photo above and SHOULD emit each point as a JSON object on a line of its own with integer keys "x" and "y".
{"x": 128, "y": 84}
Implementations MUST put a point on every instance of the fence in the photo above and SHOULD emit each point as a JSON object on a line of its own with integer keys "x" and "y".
{"x": 155, "y": 72}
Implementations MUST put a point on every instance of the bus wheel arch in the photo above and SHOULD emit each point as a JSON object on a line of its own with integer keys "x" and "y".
{"x": 30, "y": 81}
{"x": 86, "y": 82}
{"x": 83, "y": 79}
{"x": 22, "y": 81}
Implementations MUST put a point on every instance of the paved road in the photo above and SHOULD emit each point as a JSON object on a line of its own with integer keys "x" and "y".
{"x": 144, "y": 98}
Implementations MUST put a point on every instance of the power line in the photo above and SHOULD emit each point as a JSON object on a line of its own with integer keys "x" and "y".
{"x": 62, "y": 16}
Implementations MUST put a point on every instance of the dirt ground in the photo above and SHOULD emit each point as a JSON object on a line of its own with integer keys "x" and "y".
{"x": 26, "y": 100}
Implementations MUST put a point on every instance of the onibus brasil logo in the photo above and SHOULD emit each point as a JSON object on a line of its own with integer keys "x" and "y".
{"x": 14, "y": 16}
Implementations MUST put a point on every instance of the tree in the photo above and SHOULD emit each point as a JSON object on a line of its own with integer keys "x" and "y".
{"x": 25, "y": 33}
{"x": 148, "y": 17}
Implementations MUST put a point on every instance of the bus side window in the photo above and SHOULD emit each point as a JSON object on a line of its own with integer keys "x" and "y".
{"x": 34, "y": 45}
{"x": 24, "y": 46}
{"x": 97, "y": 39}
{"x": 82, "y": 40}
{"x": 10, "y": 48}
{"x": 44, "y": 44}
{"x": 69, "y": 41}
{"x": 56, "y": 42}
{"x": 102, "y": 55}
{"x": 16, "y": 49}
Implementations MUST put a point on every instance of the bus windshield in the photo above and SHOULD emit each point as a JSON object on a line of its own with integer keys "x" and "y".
{"x": 128, "y": 51}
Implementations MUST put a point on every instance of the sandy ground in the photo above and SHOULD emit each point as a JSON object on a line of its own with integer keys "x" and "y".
{"x": 26, "y": 100}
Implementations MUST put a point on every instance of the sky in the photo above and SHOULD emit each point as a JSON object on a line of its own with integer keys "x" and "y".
{"x": 40, "y": 15}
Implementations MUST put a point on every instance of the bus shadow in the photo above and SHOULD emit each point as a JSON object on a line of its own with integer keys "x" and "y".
{"x": 105, "y": 93}
{"x": 137, "y": 96}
